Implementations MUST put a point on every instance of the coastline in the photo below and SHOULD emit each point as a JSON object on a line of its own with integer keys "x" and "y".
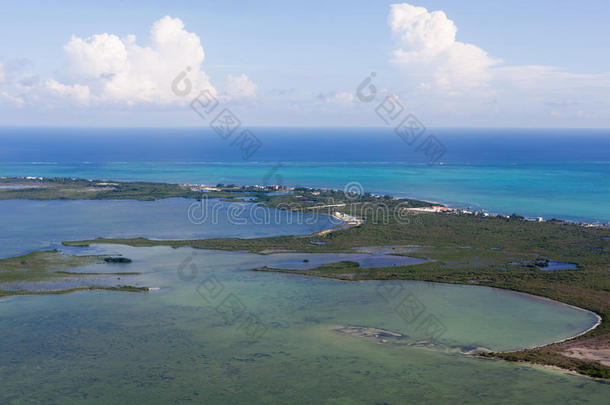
{"x": 396, "y": 194}
{"x": 477, "y": 232}
{"x": 539, "y": 297}
{"x": 500, "y": 355}
{"x": 457, "y": 206}
{"x": 24, "y": 293}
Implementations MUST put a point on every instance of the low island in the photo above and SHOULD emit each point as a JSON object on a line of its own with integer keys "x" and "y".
{"x": 460, "y": 246}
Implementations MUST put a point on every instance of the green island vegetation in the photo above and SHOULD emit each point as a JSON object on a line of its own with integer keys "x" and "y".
{"x": 117, "y": 260}
{"x": 124, "y": 288}
{"x": 51, "y": 265}
{"x": 79, "y": 189}
{"x": 508, "y": 252}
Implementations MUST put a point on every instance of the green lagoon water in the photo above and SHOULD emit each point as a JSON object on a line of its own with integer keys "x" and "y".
{"x": 172, "y": 346}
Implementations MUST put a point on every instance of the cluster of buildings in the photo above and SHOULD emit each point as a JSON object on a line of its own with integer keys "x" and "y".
{"x": 351, "y": 220}
{"x": 447, "y": 210}
{"x": 22, "y": 177}
{"x": 594, "y": 224}
{"x": 433, "y": 208}
{"x": 469, "y": 211}
{"x": 221, "y": 187}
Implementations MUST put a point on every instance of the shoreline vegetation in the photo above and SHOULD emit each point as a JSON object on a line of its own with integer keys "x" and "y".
{"x": 23, "y": 293}
{"x": 507, "y": 252}
{"x": 24, "y": 275}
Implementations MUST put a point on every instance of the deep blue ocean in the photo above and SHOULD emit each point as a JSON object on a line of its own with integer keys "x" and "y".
{"x": 533, "y": 172}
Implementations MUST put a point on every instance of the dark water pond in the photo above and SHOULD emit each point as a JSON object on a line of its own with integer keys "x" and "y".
{"x": 295, "y": 261}
{"x": 558, "y": 266}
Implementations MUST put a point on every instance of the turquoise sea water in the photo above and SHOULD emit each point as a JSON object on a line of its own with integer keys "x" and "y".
{"x": 578, "y": 192}
{"x": 549, "y": 173}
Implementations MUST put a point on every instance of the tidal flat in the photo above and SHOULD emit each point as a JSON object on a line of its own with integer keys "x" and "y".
{"x": 173, "y": 345}
{"x": 52, "y": 272}
{"x": 461, "y": 249}
{"x": 179, "y": 343}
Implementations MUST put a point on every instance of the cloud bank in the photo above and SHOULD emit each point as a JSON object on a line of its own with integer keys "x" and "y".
{"x": 240, "y": 88}
{"x": 429, "y": 51}
{"x": 104, "y": 70}
{"x": 121, "y": 71}
{"x": 442, "y": 79}
{"x": 459, "y": 78}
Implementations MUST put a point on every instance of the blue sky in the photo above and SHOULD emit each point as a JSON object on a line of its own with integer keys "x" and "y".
{"x": 467, "y": 63}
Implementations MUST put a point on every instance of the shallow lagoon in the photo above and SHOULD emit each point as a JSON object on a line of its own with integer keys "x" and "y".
{"x": 37, "y": 225}
{"x": 174, "y": 344}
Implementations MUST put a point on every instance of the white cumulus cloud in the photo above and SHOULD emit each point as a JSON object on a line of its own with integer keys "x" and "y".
{"x": 430, "y": 52}
{"x": 118, "y": 70}
{"x": 14, "y": 100}
{"x": 97, "y": 56}
{"x": 450, "y": 78}
{"x": 340, "y": 98}
{"x": 240, "y": 88}
{"x": 75, "y": 92}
